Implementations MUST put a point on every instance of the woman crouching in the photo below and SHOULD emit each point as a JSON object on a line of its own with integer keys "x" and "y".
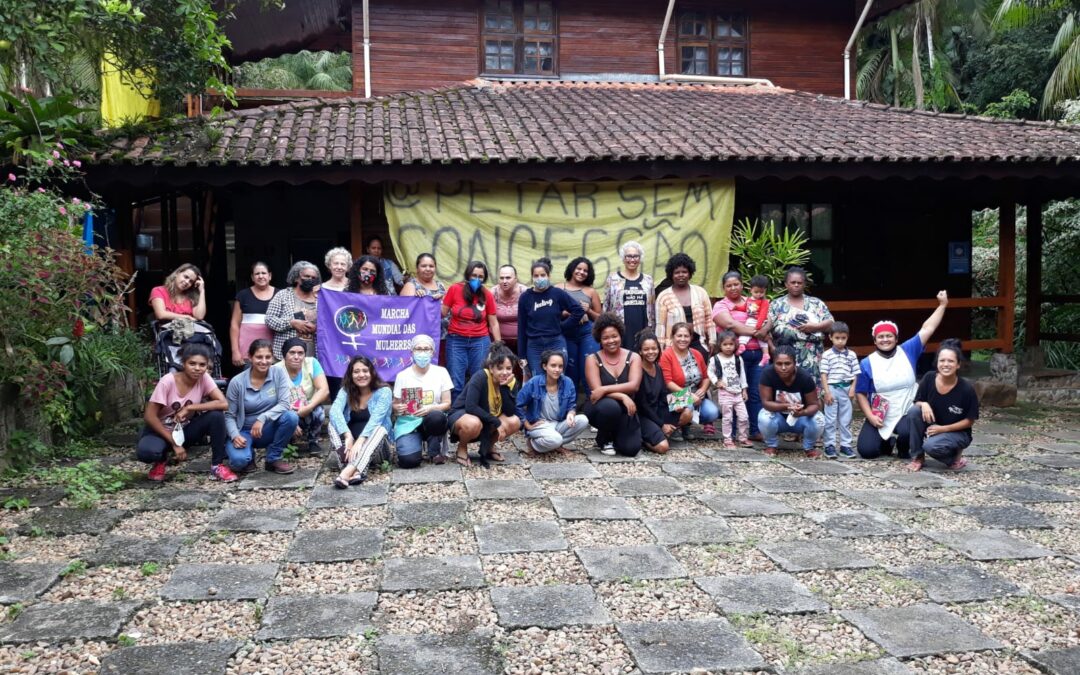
{"x": 359, "y": 420}
{"x": 547, "y": 406}
{"x": 946, "y": 407}
{"x": 485, "y": 410}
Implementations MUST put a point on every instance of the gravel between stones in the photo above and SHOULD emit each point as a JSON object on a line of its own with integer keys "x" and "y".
{"x": 819, "y": 501}
{"x": 854, "y": 482}
{"x": 173, "y": 522}
{"x": 428, "y": 492}
{"x": 345, "y": 517}
{"x": 328, "y": 578}
{"x": 800, "y": 640}
{"x": 629, "y": 469}
{"x": 972, "y": 663}
{"x": 1042, "y": 576}
{"x": 573, "y": 650}
{"x": 266, "y": 499}
{"x": 707, "y": 560}
{"x": 342, "y": 655}
{"x": 497, "y": 472}
{"x": 418, "y": 542}
{"x": 1064, "y": 540}
{"x": 905, "y": 550}
{"x": 965, "y": 496}
{"x": 657, "y": 600}
{"x": 777, "y": 528}
{"x": 933, "y": 519}
{"x": 49, "y": 549}
{"x": 73, "y": 657}
{"x": 442, "y": 612}
{"x": 600, "y": 533}
{"x": 1023, "y": 623}
{"x": 595, "y": 487}
{"x": 108, "y": 583}
{"x": 703, "y": 485}
{"x": 669, "y": 507}
{"x": 759, "y": 469}
{"x": 533, "y": 569}
{"x": 239, "y": 547}
{"x": 510, "y": 510}
{"x": 192, "y": 622}
{"x": 858, "y": 589}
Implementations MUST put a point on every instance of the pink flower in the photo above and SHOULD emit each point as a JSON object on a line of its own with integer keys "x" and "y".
{"x": 76, "y": 200}
{"x": 41, "y": 190}
{"x": 48, "y": 162}
{"x": 67, "y": 163}
{"x": 56, "y": 154}
{"x": 60, "y": 145}
{"x": 63, "y": 211}
{"x": 77, "y": 164}
{"x": 11, "y": 177}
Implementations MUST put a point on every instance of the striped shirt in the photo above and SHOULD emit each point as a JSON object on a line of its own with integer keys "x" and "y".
{"x": 838, "y": 367}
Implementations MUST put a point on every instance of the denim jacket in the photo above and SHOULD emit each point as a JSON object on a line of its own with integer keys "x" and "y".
{"x": 530, "y": 400}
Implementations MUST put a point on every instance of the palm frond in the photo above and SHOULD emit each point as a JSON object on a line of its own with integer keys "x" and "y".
{"x": 1066, "y": 35}
{"x": 868, "y": 80}
{"x": 1020, "y": 13}
{"x": 1064, "y": 82}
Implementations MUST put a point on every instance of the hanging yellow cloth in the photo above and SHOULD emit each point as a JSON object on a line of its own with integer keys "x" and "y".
{"x": 121, "y": 102}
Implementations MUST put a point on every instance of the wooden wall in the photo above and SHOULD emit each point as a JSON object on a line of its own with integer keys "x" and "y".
{"x": 420, "y": 44}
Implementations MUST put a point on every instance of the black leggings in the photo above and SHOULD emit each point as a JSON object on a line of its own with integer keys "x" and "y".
{"x": 870, "y": 444}
{"x": 613, "y": 425}
{"x": 152, "y": 448}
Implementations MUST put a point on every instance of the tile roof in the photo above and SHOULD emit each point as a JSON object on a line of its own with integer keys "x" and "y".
{"x": 532, "y": 122}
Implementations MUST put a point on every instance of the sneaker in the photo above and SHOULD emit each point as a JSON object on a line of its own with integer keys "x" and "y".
{"x": 314, "y": 448}
{"x": 709, "y": 429}
{"x": 222, "y": 473}
{"x": 608, "y": 449}
{"x": 157, "y": 472}
{"x": 847, "y": 453}
{"x": 830, "y": 452}
{"x": 280, "y": 466}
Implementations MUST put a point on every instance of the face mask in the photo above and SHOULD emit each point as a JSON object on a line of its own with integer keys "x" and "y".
{"x": 308, "y": 285}
{"x": 421, "y": 359}
{"x": 366, "y": 277}
{"x": 474, "y": 284}
{"x": 542, "y": 284}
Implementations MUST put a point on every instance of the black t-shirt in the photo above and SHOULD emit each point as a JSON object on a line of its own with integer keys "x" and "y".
{"x": 249, "y": 304}
{"x": 962, "y": 403}
{"x": 797, "y": 391}
{"x": 634, "y": 314}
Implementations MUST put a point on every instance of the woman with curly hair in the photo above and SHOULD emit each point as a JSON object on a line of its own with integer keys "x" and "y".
{"x": 181, "y": 296}
{"x": 579, "y": 276}
{"x": 684, "y": 302}
{"x": 293, "y": 311}
{"x": 366, "y": 276}
{"x": 338, "y": 260}
{"x": 614, "y": 375}
{"x": 473, "y": 325}
{"x": 486, "y": 410}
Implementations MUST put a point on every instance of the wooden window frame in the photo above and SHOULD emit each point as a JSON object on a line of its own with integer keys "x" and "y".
{"x": 815, "y": 241}
{"x": 520, "y": 38}
{"x": 712, "y": 41}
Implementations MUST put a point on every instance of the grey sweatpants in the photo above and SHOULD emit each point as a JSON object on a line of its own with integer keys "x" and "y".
{"x": 552, "y": 436}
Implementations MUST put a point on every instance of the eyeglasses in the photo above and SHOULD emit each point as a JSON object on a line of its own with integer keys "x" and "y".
{"x": 632, "y": 256}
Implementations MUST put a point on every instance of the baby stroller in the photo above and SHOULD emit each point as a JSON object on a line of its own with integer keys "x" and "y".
{"x": 169, "y": 336}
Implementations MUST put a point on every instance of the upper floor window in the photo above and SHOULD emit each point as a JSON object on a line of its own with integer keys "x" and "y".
{"x": 519, "y": 37}
{"x": 713, "y": 44}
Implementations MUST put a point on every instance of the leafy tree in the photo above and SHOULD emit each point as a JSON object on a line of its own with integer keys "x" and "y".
{"x": 323, "y": 71}
{"x": 1064, "y": 81}
{"x": 1000, "y": 63}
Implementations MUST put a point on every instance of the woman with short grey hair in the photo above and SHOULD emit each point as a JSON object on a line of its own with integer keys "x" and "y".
{"x": 338, "y": 260}
{"x": 630, "y": 292}
{"x": 292, "y": 312}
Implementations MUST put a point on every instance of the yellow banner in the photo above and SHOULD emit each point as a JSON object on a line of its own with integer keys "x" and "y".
{"x": 516, "y": 223}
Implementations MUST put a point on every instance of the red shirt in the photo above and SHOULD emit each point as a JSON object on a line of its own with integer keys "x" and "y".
{"x": 182, "y": 307}
{"x": 468, "y": 320}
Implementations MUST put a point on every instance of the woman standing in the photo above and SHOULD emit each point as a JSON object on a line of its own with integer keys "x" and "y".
{"x": 684, "y": 368}
{"x": 421, "y": 401}
{"x": 181, "y": 296}
{"x": 365, "y": 277}
{"x": 338, "y": 260}
{"x": 651, "y": 398}
{"x": 473, "y": 325}
{"x": 359, "y": 420}
{"x": 684, "y": 303}
{"x": 946, "y": 407}
{"x": 293, "y": 311}
{"x": 885, "y": 387}
{"x": 579, "y": 276}
{"x": 614, "y": 375}
{"x": 485, "y": 410}
{"x": 260, "y": 413}
{"x": 308, "y": 391}
{"x": 425, "y": 284}
{"x": 801, "y": 321}
{"x": 630, "y": 293}
{"x": 729, "y": 313}
{"x": 248, "y": 321}
{"x": 507, "y": 294}
{"x": 541, "y": 325}
{"x": 789, "y": 401}
{"x": 547, "y": 408}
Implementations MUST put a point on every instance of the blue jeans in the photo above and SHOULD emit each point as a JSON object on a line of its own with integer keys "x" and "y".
{"x": 708, "y": 411}
{"x": 751, "y": 360}
{"x": 538, "y": 346}
{"x": 464, "y": 357}
{"x": 840, "y": 411}
{"x": 578, "y": 348}
{"x": 774, "y": 423}
{"x": 276, "y": 434}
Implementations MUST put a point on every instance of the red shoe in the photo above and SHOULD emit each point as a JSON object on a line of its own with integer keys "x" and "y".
{"x": 279, "y": 466}
{"x": 770, "y": 452}
{"x": 157, "y": 472}
{"x": 222, "y": 473}
{"x": 709, "y": 429}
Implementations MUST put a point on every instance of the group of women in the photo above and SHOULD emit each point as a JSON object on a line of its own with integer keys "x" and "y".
{"x": 641, "y": 362}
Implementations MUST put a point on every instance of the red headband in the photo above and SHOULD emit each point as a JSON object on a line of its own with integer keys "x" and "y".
{"x": 885, "y": 327}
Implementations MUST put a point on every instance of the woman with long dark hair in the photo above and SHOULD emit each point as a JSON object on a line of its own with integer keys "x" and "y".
{"x": 359, "y": 420}
{"x": 365, "y": 276}
{"x": 486, "y": 410}
{"x": 946, "y": 407}
{"x": 473, "y": 325}
{"x": 260, "y": 413}
{"x": 580, "y": 276}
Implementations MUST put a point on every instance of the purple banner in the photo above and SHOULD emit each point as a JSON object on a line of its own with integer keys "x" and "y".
{"x": 377, "y": 326}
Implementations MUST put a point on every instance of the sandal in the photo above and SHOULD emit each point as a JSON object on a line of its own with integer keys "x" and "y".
{"x": 340, "y": 483}
{"x": 769, "y": 452}
{"x": 915, "y": 465}
{"x": 960, "y": 463}
{"x": 746, "y": 443}
{"x": 462, "y": 458}
{"x": 496, "y": 456}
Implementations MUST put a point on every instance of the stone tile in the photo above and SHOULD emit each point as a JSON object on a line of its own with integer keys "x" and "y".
{"x": 645, "y": 486}
{"x": 773, "y": 592}
{"x": 504, "y": 489}
{"x": 167, "y": 499}
{"x": 427, "y": 514}
{"x": 564, "y": 471}
{"x": 328, "y": 496}
{"x": 1026, "y": 493}
{"x": 679, "y": 646}
{"x": 857, "y": 523}
{"x": 595, "y": 456}
{"x": 809, "y": 467}
{"x": 64, "y": 521}
{"x": 256, "y": 520}
{"x": 1072, "y": 435}
{"x": 917, "y": 480}
{"x": 1058, "y": 448}
{"x": 432, "y": 574}
{"x": 1055, "y": 461}
{"x": 121, "y": 550}
{"x": 815, "y": 554}
{"x": 520, "y": 537}
{"x": 335, "y": 545}
{"x": 548, "y": 606}
{"x": 189, "y": 658}
{"x": 22, "y": 582}
{"x": 196, "y": 465}
{"x": 738, "y": 455}
{"x": 427, "y": 473}
{"x": 891, "y": 499}
{"x": 919, "y": 630}
{"x": 208, "y": 581}
{"x": 1007, "y": 517}
{"x": 268, "y": 480}
{"x": 316, "y": 616}
{"x": 468, "y": 654}
{"x": 35, "y": 497}
{"x": 886, "y": 666}
{"x": 1046, "y": 477}
{"x": 989, "y": 439}
{"x": 989, "y": 545}
{"x": 635, "y": 562}
{"x": 66, "y": 621}
{"x": 1056, "y": 662}
{"x": 593, "y": 508}
{"x": 691, "y": 530}
{"x": 746, "y": 504}
{"x": 687, "y": 469}
{"x": 960, "y": 583}
{"x": 1067, "y": 600}
{"x": 786, "y": 484}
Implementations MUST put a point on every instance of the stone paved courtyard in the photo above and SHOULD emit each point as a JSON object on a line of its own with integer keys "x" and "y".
{"x": 704, "y": 560}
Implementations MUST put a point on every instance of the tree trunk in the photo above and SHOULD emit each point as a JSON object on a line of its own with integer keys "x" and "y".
{"x": 928, "y": 11}
{"x": 895, "y": 49}
{"x": 916, "y": 66}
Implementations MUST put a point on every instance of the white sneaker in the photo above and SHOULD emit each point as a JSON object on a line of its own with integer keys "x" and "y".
{"x": 608, "y": 449}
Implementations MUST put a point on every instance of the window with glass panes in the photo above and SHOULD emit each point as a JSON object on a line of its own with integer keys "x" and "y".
{"x": 519, "y": 37}
{"x": 713, "y": 44}
{"x": 816, "y": 222}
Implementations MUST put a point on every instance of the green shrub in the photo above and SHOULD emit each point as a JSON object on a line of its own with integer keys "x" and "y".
{"x": 765, "y": 249}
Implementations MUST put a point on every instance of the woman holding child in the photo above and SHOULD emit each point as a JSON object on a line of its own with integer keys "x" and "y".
{"x": 733, "y": 312}
{"x": 801, "y": 321}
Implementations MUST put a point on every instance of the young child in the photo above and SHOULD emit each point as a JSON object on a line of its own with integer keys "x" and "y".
{"x": 839, "y": 366}
{"x": 726, "y": 370}
{"x": 757, "y": 311}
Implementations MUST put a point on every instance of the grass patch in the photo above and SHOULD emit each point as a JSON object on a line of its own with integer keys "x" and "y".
{"x": 86, "y": 482}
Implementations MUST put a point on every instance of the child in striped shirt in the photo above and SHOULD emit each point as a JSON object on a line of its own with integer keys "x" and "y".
{"x": 839, "y": 366}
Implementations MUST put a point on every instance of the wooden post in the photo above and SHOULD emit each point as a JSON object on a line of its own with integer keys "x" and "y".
{"x": 356, "y": 218}
{"x": 1033, "y": 320}
{"x": 1007, "y": 274}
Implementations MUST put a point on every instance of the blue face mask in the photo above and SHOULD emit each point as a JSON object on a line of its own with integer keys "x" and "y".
{"x": 421, "y": 359}
{"x": 542, "y": 284}
{"x": 475, "y": 284}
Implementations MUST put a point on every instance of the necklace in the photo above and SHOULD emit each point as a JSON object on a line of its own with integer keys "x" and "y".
{"x": 604, "y": 358}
